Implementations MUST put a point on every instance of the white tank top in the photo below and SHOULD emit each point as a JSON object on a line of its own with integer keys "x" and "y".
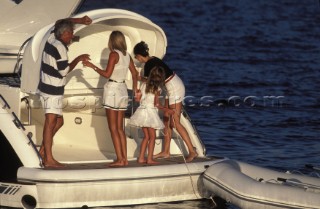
{"x": 120, "y": 70}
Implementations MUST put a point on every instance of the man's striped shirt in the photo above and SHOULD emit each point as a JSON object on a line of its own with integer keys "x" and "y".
{"x": 54, "y": 67}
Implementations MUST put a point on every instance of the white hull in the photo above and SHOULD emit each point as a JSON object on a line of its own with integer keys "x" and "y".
{"x": 106, "y": 187}
{"x": 86, "y": 180}
{"x": 252, "y": 187}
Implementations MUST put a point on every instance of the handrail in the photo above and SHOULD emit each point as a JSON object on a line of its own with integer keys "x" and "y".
{"x": 17, "y": 122}
{"x": 19, "y": 125}
{"x": 29, "y": 135}
{"x": 26, "y": 100}
{"x": 5, "y": 103}
{"x": 18, "y": 57}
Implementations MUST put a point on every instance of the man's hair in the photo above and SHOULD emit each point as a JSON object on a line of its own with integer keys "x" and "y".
{"x": 61, "y": 26}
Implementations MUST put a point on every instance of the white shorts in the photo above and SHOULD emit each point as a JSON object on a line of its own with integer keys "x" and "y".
{"x": 115, "y": 96}
{"x": 52, "y": 103}
{"x": 176, "y": 90}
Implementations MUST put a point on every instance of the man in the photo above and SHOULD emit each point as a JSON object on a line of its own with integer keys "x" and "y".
{"x": 54, "y": 68}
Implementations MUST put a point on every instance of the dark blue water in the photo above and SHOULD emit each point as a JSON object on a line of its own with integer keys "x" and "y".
{"x": 251, "y": 70}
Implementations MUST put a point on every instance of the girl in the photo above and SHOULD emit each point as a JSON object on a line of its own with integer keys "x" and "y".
{"x": 176, "y": 93}
{"x": 115, "y": 94}
{"x": 146, "y": 115}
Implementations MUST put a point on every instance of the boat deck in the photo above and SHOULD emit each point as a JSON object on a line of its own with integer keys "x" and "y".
{"x": 133, "y": 163}
{"x": 94, "y": 172}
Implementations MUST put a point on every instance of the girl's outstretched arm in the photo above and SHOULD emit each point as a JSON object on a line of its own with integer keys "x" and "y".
{"x": 113, "y": 60}
{"x": 134, "y": 74}
{"x": 159, "y": 106}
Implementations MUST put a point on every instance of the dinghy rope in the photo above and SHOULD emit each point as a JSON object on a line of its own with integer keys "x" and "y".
{"x": 186, "y": 164}
{"x": 291, "y": 182}
{"x": 311, "y": 167}
{"x": 184, "y": 159}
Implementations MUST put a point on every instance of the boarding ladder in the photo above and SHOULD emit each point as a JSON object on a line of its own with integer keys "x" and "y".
{"x": 16, "y": 121}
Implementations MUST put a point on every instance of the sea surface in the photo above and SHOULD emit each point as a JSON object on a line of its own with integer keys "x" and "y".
{"x": 251, "y": 71}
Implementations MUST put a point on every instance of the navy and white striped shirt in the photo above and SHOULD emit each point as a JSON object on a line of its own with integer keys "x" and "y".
{"x": 54, "y": 67}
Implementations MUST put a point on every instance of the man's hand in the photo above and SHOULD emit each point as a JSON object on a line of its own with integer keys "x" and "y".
{"x": 86, "y": 20}
{"x": 84, "y": 57}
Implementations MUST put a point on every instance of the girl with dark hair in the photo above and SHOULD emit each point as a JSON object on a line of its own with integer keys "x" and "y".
{"x": 176, "y": 92}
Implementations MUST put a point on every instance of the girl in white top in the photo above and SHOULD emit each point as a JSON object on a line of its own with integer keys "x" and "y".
{"x": 115, "y": 95}
{"x": 146, "y": 115}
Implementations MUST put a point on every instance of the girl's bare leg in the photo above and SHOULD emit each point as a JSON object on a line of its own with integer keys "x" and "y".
{"x": 112, "y": 117}
{"x": 182, "y": 131}
{"x": 143, "y": 146}
{"x": 123, "y": 138}
{"x": 165, "y": 153}
{"x": 152, "y": 139}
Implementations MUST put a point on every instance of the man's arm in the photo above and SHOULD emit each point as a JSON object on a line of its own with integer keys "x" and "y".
{"x": 80, "y": 20}
{"x": 83, "y": 20}
{"x": 83, "y": 57}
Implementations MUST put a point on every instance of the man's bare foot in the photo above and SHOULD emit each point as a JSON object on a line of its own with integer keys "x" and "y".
{"x": 191, "y": 156}
{"x": 117, "y": 164}
{"x": 161, "y": 155}
{"x": 152, "y": 162}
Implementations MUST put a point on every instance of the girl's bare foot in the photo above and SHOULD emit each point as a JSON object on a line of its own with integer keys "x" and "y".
{"x": 152, "y": 162}
{"x": 191, "y": 156}
{"x": 126, "y": 162}
{"x": 119, "y": 163}
{"x": 142, "y": 161}
{"x": 161, "y": 155}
